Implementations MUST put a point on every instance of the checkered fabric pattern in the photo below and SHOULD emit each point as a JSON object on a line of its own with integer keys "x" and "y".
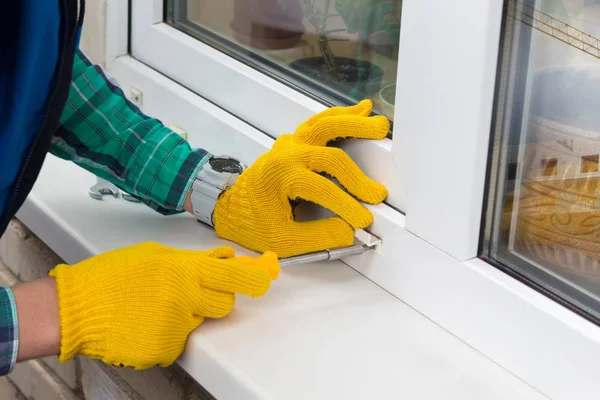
{"x": 109, "y": 136}
{"x": 9, "y": 326}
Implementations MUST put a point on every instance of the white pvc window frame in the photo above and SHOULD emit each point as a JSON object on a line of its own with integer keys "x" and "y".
{"x": 236, "y": 87}
{"x": 435, "y": 164}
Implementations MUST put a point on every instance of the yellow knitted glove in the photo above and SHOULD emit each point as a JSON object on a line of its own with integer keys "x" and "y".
{"x": 136, "y": 306}
{"x": 256, "y": 211}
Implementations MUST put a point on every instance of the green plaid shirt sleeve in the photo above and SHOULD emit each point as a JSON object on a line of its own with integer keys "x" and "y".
{"x": 9, "y": 331}
{"x": 101, "y": 131}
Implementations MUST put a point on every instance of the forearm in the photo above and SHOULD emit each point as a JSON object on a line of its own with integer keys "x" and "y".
{"x": 187, "y": 205}
{"x": 38, "y": 316}
{"x": 29, "y": 322}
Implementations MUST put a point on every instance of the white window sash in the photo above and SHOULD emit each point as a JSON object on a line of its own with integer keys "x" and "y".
{"x": 447, "y": 69}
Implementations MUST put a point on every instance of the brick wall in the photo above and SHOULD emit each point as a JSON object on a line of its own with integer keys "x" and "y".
{"x": 24, "y": 257}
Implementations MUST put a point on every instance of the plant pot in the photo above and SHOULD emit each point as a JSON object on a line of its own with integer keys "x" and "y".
{"x": 357, "y": 79}
{"x": 387, "y": 100}
{"x": 388, "y": 95}
{"x": 268, "y": 24}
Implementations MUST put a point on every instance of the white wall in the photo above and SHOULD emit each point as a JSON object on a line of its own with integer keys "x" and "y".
{"x": 93, "y": 39}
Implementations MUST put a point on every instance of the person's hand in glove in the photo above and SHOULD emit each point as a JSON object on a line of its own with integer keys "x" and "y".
{"x": 256, "y": 211}
{"x": 136, "y": 306}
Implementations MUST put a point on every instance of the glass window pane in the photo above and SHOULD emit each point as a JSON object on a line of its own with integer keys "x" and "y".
{"x": 339, "y": 51}
{"x": 543, "y": 214}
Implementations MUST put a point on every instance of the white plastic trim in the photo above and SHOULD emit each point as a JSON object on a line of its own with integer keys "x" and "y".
{"x": 117, "y": 29}
{"x": 517, "y": 327}
{"x": 319, "y": 327}
{"x": 447, "y": 74}
{"x": 525, "y": 332}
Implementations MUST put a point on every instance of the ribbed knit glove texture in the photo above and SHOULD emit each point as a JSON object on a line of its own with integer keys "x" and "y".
{"x": 136, "y": 306}
{"x": 256, "y": 212}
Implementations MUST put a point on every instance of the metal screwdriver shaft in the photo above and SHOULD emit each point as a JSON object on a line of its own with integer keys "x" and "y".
{"x": 325, "y": 255}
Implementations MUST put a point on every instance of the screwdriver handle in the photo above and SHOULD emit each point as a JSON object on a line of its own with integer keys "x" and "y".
{"x": 268, "y": 261}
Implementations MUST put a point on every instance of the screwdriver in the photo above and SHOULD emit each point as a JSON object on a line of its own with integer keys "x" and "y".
{"x": 326, "y": 255}
{"x": 364, "y": 241}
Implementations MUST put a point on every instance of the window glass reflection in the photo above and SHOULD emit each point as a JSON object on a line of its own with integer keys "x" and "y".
{"x": 338, "y": 50}
{"x": 546, "y": 182}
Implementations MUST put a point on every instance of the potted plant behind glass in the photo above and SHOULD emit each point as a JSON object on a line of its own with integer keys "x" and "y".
{"x": 353, "y": 77}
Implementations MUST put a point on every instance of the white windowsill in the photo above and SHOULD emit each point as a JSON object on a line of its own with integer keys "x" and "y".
{"x": 323, "y": 331}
